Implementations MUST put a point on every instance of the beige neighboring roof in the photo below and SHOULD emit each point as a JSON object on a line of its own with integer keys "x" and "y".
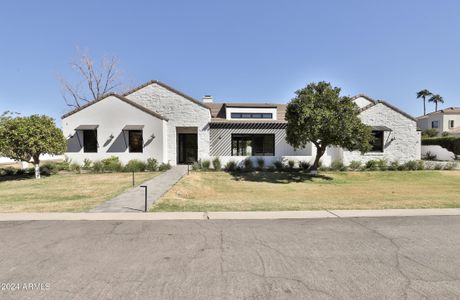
{"x": 166, "y": 87}
{"x": 444, "y": 111}
{"x": 144, "y": 109}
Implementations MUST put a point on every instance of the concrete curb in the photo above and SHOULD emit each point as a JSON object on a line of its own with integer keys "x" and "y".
{"x": 244, "y": 215}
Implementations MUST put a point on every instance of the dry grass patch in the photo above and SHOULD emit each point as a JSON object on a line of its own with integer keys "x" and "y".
{"x": 219, "y": 191}
{"x": 66, "y": 192}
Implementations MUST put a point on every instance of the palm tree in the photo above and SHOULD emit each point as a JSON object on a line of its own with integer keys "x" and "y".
{"x": 423, "y": 94}
{"x": 436, "y": 99}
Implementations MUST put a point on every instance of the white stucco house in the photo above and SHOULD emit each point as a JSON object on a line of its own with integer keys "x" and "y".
{"x": 155, "y": 120}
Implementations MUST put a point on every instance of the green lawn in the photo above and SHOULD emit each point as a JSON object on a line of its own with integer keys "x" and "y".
{"x": 219, "y": 191}
{"x": 64, "y": 193}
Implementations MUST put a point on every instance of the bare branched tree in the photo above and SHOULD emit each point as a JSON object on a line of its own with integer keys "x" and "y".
{"x": 96, "y": 80}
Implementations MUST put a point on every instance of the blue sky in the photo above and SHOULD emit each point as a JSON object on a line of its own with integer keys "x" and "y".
{"x": 234, "y": 50}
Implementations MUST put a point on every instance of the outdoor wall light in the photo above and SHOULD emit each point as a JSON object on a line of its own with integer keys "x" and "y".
{"x": 152, "y": 136}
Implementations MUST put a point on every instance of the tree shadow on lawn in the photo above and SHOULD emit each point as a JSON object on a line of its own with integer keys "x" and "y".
{"x": 20, "y": 177}
{"x": 277, "y": 177}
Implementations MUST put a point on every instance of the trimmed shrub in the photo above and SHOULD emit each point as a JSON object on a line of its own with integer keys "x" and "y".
{"x": 98, "y": 167}
{"x": 87, "y": 163}
{"x": 230, "y": 166}
{"x": 74, "y": 167}
{"x": 49, "y": 169}
{"x": 445, "y": 133}
{"x": 305, "y": 165}
{"x": 450, "y": 166}
{"x": 196, "y": 165}
{"x": 260, "y": 163}
{"x": 291, "y": 164}
{"x": 271, "y": 168}
{"x": 393, "y": 166}
{"x": 112, "y": 164}
{"x": 278, "y": 165}
{"x": 420, "y": 165}
{"x": 151, "y": 165}
{"x": 337, "y": 165}
{"x": 438, "y": 166}
{"x": 248, "y": 166}
{"x": 216, "y": 164}
{"x": 402, "y": 167}
{"x": 372, "y": 165}
{"x": 355, "y": 165}
{"x": 429, "y": 133}
{"x": 164, "y": 167}
{"x": 8, "y": 171}
{"x": 411, "y": 165}
{"x": 451, "y": 143}
{"x": 135, "y": 165}
{"x": 205, "y": 164}
{"x": 382, "y": 165}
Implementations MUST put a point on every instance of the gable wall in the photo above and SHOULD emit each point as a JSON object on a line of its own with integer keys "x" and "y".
{"x": 406, "y": 144}
{"x": 112, "y": 114}
{"x": 180, "y": 111}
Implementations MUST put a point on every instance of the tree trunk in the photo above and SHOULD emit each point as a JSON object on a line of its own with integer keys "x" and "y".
{"x": 37, "y": 167}
{"x": 424, "y": 106}
{"x": 319, "y": 153}
{"x": 436, "y": 106}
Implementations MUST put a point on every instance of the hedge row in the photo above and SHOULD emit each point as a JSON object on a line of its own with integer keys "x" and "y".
{"x": 451, "y": 143}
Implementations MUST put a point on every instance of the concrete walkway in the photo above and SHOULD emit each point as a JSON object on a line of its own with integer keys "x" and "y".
{"x": 133, "y": 200}
{"x": 243, "y": 215}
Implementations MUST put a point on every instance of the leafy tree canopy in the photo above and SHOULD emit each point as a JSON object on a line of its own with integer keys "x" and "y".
{"x": 23, "y": 138}
{"x": 318, "y": 114}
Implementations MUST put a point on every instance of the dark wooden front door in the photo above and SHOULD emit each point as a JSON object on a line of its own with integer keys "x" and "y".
{"x": 188, "y": 148}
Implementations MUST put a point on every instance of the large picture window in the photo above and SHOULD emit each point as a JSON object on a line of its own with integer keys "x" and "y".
{"x": 253, "y": 145}
{"x": 434, "y": 124}
{"x": 89, "y": 141}
{"x": 377, "y": 145}
{"x": 136, "y": 143}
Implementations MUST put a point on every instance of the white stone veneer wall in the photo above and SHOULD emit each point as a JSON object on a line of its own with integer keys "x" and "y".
{"x": 180, "y": 111}
{"x": 406, "y": 144}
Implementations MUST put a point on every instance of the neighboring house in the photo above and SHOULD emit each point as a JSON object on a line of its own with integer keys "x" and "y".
{"x": 156, "y": 120}
{"x": 444, "y": 120}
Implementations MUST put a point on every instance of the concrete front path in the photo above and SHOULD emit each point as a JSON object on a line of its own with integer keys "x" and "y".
{"x": 133, "y": 200}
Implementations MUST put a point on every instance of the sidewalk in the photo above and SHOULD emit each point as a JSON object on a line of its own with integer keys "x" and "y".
{"x": 133, "y": 200}
{"x": 250, "y": 215}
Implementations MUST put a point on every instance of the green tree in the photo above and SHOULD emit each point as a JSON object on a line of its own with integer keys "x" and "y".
{"x": 25, "y": 138}
{"x": 318, "y": 114}
{"x": 436, "y": 99}
{"x": 423, "y": 94}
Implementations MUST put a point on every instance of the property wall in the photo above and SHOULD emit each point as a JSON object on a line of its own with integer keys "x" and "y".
{"x": 221, "y": 146}
{"x": 112, "y": 114}
{"x": 440, "y": 152}
{"x": 180, "y": 111}
{"x": 402, "y": 143}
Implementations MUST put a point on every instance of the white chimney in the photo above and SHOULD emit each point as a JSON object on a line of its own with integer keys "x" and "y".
{"x": 207, "y": 99}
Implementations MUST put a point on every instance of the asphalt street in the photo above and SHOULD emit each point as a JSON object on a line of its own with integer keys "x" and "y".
{"x": 353, "y": 258}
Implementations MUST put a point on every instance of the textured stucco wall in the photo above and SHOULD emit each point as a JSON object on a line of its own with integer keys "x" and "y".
{"x": 112, "y": 114}
{"x": 180, "y": 111}
{"x": 402, "y": 143}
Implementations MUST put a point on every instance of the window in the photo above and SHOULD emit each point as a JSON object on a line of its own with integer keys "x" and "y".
{"x": 377, "y": 145}
{"x": 136, "y": 143}
{"x": 451, "y": 123}
{"x": 251, "y": 115}
{"x": 89, "y": 141}
{"x": 435, "y": 124}
{"x": 253, "y": 145}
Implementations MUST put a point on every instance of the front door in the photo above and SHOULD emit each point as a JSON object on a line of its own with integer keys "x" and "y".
{"x": 188, "y": 148}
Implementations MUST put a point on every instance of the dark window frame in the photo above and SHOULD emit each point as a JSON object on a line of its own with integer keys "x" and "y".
{"x": 131, "y": 147}
{"x": 237, "y": 115}
{"x": 87, "y": 139}
{"x": 451, "y": 123}
{"x": 435, "y": 122}
{"x": 251, "y": 137}
{"x": 378, "y": 147}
